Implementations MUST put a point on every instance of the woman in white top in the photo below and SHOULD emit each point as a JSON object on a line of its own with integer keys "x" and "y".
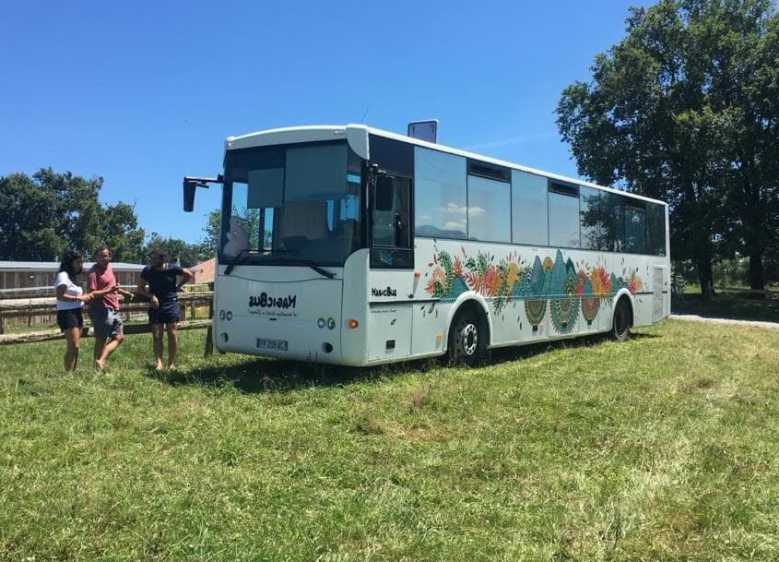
{"x": 70, "y": 301}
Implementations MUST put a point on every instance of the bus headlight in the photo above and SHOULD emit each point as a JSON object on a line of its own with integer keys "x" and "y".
{"x": 320, "y": 323}
{"x": 331, "y": 323}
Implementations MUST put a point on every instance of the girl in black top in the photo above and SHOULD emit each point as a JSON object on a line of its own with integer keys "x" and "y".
{"x": 160, "y": 284}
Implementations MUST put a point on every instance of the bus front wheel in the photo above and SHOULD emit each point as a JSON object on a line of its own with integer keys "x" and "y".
{"x": 468, "y": 338}
{"x": 623, "y": 319}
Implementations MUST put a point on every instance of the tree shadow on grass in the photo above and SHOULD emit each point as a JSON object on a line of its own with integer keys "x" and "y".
{"x": 255, "y": 374}
{"x": 730, "y": 304}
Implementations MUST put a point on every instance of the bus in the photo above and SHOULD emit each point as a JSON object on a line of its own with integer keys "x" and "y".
{"x": 350, "y": 245}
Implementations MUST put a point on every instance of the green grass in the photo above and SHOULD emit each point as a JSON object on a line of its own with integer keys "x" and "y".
{"x": 663, "y": 448}
{"x": 730, "y": 303}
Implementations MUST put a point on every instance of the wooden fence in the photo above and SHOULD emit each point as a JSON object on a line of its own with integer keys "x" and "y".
{"x": 38, "y": 304}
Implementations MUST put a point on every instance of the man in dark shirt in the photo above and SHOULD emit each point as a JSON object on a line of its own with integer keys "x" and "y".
{"x": 160, "y": 284}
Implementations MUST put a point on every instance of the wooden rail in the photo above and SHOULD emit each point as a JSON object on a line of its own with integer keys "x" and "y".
{"x": 41, "y": 301}
{"x": 46, "y": 306}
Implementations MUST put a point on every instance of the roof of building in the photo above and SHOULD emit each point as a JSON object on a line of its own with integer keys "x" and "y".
{"x": 54, "y": 266}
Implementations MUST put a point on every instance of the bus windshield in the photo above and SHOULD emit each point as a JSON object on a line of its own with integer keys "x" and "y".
{"x": 291, "y": 204}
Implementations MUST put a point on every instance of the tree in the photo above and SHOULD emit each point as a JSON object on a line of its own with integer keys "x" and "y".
{"x": 118, "y": 229}
{"x": 680, "y": 110}
{"x": 178, "y": 250}
{"x": 28, "y": 221}
{"x": 48, "y": 212}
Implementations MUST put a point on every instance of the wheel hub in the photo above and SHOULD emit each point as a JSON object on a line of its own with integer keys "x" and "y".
{"x": 470, "y": 339}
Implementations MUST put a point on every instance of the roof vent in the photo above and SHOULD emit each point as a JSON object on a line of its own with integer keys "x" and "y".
{"x": 424, "y": 130}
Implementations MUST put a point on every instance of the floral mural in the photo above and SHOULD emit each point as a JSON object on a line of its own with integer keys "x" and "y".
{"x": 556, "y": 282}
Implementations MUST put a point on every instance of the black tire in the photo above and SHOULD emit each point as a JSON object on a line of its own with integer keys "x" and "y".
{"x": 468, "y": 339}
{"x": 623, "y": 320}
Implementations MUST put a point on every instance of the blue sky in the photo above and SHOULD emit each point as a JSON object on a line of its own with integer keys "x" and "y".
{"x": 143, "y": 93}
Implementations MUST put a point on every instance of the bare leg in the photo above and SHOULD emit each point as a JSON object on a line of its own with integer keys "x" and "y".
{"x": 73, "y": 339}
{"x": 108, "y": 349}
{"x": 172, "y": 345}
{"x": 156, "y": 335}
{"x": 99, "y": 345}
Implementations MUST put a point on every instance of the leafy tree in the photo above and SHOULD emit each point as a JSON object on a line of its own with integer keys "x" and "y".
{"x": 178, "y": 250}
{"x": 118, "y": 228}
{"x": 684, "y": 108}
{"x": 29, "y": 225}
{"x": 45, "y": 213}
{"x": 212, "y": 230}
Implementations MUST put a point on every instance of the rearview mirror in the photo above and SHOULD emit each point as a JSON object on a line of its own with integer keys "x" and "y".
{"x": 385, "y": 193}
{"x": 189, "y": 195}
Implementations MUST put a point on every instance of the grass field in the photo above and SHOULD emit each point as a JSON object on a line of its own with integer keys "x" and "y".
{"x": 663, "y": 448}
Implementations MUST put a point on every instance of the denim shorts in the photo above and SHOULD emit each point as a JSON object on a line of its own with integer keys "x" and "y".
{"x": 106, "y": 322}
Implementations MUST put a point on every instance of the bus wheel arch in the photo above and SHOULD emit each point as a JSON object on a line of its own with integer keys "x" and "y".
{"x": 469, "y": 333}
{"x": 622, "y": 318}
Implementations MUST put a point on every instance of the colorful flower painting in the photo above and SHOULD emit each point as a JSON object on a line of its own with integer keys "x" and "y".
{"x": 556, "y": 283}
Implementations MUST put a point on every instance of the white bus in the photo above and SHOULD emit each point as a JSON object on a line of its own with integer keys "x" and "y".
{"x": 350, "y": 245}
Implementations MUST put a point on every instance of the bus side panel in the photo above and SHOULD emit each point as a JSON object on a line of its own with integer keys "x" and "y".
{"x": 355, "y": 307}
{"x": 532, "y": 293}
{"x": 389, "y": 329}
{"x": 430, "y": 311}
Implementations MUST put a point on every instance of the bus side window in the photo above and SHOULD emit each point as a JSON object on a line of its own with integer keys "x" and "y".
{"x": 391, "y": 222}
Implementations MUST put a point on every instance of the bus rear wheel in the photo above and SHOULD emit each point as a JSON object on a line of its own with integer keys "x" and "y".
{"x": 468, "y": 339}
{"x": 623, "y": 317}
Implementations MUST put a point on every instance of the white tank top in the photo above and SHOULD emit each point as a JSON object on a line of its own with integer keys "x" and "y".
{"x": 72, "y": 290}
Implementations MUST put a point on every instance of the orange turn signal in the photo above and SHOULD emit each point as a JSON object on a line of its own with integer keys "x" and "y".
{"x": 352, "y": 323}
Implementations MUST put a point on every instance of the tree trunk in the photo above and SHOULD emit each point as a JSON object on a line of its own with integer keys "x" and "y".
{"x": 756, "y": 272}
{"x": 706, "y": 277}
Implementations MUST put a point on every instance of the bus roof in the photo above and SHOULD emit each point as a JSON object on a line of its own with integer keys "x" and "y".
{"x": 358, "y": 135}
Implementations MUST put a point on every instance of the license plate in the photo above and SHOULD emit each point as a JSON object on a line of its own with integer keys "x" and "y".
{"x": 272, "y": 345}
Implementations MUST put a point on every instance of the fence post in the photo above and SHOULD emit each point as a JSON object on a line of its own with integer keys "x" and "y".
{"x": 2, "y": 324}
{"x": 210, "y": 332}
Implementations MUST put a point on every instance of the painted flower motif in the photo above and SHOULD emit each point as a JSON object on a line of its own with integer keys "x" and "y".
{"x": 437, "y": 284}
{"x": 548, "y": 264}
{"x": 491, "y": 281}
{"x": 475, "y": 281}
{"x": 457, "y": 267}
{"x": 513, "y": 274}
{"x": 581, "y": 279}
{"x": 601, "y": 282}
{"x": 635, "y": 284}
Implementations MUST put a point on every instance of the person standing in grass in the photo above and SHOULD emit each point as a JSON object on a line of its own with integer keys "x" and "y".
{"x": 109, "y": 330}
{"x": 160, "y": 284}
{"x": 70, "y": 301}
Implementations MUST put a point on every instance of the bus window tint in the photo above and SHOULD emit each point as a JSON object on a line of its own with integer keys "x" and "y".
{"x": 489, "y": 210}
{"x": 613, "y": 233}
{"x": 529, "y": 214}
{"x": 594, "y": 216}
{"x": 656, "y": 229}
{"x": 563, "y": 216}
{"x": 635, "y": 227}
{"x": 440, "y": 194}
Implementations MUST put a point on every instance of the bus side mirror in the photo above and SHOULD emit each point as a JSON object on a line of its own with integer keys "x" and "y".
{"x": 385, "y": 193}
{"x": 189, "y": 195}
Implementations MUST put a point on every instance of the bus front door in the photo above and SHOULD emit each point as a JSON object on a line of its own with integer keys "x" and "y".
{"x": 391, "y": 269}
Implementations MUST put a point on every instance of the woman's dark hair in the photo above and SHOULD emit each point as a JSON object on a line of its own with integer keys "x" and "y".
{"x": 67, "y": 264}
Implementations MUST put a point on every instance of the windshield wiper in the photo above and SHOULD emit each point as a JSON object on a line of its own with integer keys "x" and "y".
{"x": 312, "y": 264}
{"x": 301, "y": 261}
